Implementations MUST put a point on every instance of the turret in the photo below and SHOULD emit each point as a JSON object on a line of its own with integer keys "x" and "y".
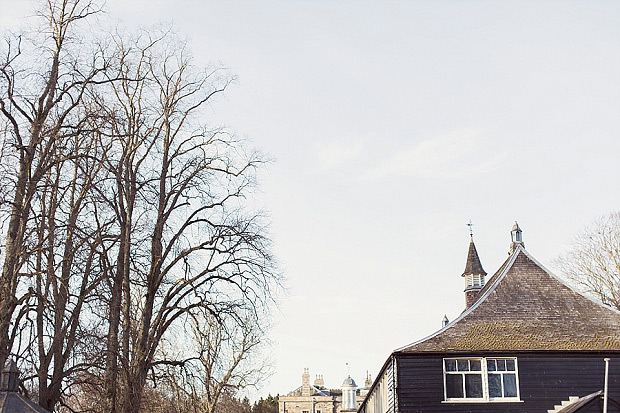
{"x": 349, "y": 389}
{"x": 368, "y": 381}
{"x": 516, "y": 236}
{"x": 473, "y": 275}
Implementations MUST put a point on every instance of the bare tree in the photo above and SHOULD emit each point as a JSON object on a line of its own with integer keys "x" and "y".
{"x": 186, "y": 244}
{"x": 40, "y": 104}
{"x": 593, "y": 262}
{"x": 227, "y": 358}
{"x": 223, "y": 358}
{"x": 67, "y": 271}
{"x": 125, "y": 223}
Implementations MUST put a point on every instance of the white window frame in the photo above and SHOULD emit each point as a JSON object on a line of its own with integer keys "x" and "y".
{"x": 485, "y": 381}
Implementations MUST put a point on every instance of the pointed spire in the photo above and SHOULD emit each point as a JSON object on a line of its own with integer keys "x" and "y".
{"x": 473, "y": 264}
{"x": 474, "y": 273}
{"x": 444, "y": 321}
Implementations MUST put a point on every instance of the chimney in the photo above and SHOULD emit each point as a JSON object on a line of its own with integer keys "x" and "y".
{"x": 305, "y": 382}
{"x": 318, "y": 381}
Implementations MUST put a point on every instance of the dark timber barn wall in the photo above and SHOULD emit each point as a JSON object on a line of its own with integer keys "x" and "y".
{"x": 550, "y": 376}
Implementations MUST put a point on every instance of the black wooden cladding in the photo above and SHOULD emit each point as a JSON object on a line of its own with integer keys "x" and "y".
{"x": 544, "y": 381}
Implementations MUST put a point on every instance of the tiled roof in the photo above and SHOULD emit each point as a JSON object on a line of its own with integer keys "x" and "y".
{"x": 12, "y": 402}
{"x": 473, "y": 265}
{"x": 525, "y": 307}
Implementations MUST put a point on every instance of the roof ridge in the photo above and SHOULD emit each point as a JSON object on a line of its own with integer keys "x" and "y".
{"x": 567, "y": 285}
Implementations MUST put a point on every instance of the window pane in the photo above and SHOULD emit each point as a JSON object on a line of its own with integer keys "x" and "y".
{"x": 463, "y": 365}
{"x": 450, "y": 365}
{"x": 510, "y": 365}
{"x": 473, "y": 385}
{"x": 510, "y": 385}
{"x": 454, "y": 385}
{"x": 495, "y": 385}
{"x": 491, "y": 365}
{"x": 501, "y": 365}
{"x": 474, "y": 365}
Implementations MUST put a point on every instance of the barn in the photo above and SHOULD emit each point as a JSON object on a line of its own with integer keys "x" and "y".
{"x": 526, "y": 342}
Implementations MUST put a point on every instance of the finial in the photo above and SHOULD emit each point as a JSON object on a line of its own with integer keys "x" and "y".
{"x": 348, "y": 370}
{"x": 471, "y": 230}
{"x": 516, "y": 233}
{"x": 445, "y": 321}
{"x": 516, "y": 237}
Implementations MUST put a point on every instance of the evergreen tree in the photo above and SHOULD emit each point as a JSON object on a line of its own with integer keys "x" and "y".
{"x": 268, "y": 405}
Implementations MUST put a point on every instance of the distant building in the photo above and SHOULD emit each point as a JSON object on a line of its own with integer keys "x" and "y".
{"x": 526, "y": 342}
{"x": 316, "y": 398}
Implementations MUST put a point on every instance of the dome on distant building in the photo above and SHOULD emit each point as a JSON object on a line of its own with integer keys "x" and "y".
{"x": 349, "y": 390}
{"x": 348, "y": 382}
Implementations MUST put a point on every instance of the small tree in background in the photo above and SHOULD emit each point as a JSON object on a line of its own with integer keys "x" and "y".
{"x": 268, "y": 405}
{"x": 230, "y": 404}
{"x": 593, "y": 262}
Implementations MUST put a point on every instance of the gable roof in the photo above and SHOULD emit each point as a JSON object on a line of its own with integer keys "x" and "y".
{"x": 525, "y": 307}
{"x": 314, "y": 391}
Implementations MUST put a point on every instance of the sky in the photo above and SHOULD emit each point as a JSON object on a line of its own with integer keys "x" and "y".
{"x": 392, "y": 125}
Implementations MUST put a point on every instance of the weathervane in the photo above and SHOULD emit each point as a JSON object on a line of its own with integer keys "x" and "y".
{"x": 471, "y": 230}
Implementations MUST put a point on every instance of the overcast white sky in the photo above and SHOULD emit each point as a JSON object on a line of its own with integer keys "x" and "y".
{"x": 392, "y": 125}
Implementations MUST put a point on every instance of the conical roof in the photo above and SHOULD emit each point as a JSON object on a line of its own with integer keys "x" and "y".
{"x": 473, "y": 265}
{"x": 525, "y": 307}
